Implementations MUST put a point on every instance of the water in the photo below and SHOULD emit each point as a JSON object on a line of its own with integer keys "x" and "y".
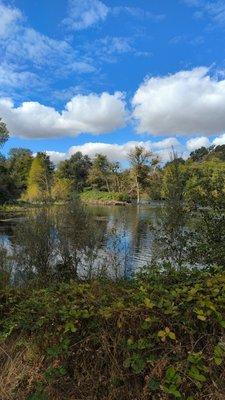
{"x": 132, "y": 229}
{"x": 128, "y": 234}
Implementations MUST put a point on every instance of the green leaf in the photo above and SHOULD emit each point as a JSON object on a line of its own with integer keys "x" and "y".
{"x": 196, "y": 375}
{"x": 154, "y": 385}
{"x": 148, "y": 303}
{"x": 201, "y": 317}
{"x": 218, "y": 361}
{"x": 70, "y": 327}
{"x": 170, "y": 373}
{"x": 172, "y": 335}
{"x": 173, "y": 391}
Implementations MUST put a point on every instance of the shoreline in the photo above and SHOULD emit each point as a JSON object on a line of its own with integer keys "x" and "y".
{"x": 106, "y": 202}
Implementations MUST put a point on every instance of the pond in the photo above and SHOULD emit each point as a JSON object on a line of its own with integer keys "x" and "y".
{"x": 127, "y": 234}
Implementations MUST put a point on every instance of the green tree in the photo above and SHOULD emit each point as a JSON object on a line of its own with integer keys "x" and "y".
{"x": 171, "y": 235}
{"x": 75, "y": 169}
{"x": 6, "y": 184}
{"x": 100, "y": 172}
{"x": 62, "y": 189}
{"x": 4, "y": 133}
{"x": 48, "y": 170}
{"x": 205, "y": 185}
{"x": 199, "y": 154}
{"x": 19, "y": 164}
{"x": 219, "y": 152}
{"x": 141, "y": 162}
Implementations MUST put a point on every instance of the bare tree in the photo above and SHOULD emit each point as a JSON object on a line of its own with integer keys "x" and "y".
{"x": 141, "y": 161}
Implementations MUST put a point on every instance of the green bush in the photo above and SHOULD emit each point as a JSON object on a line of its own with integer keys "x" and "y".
{"x": 160, "y": 336}
{"x": 97, "y": 195}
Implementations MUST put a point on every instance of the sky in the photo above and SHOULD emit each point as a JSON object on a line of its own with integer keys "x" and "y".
{"x": 103, "y": 76}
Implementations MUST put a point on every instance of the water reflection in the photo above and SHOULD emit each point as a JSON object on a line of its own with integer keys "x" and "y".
{"x": 132, "y": 227}
{"x": 102, "y": 239}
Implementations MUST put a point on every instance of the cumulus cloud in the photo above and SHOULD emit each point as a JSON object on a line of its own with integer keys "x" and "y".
{"x": 93, "y": 114}
{"x": 219, "y": 140}
{"x": 84, "y": 14}
{"x": 184, "y": 103}
{"x": 119, "y": 152}
{"x": 196, "y": 143}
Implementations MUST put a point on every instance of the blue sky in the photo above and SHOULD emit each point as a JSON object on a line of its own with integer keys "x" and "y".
{"x": 102, "y": 76}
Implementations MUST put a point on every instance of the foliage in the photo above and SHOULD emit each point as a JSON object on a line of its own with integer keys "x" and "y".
{"x": 97, "y": 195}
{"x": 62, "y": 189}
{"x": 19, "y": 164}
{"x": 52, "y": 243}
{"x": 159, "y": 336}
{"x": 75, "y": 169}
{"x": 200, "y": 179}
{"x": 39, "y": 180}
{"x": 4, "y": 133}
{"x": 141, "y": 161}
{"x": 205, "y": 184}
{"x": 6, "y": 184}
{"x": 99, "y": 173}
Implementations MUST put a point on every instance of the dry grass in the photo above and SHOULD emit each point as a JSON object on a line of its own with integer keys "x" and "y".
{"x": 17, "y": 367}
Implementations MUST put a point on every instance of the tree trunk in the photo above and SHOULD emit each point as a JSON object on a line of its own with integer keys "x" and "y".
{"x": 138, "y": 190}
{"x": 107, "y": 184}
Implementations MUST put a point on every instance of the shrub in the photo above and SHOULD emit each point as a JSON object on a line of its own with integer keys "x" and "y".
{"x": 160, "y": 336}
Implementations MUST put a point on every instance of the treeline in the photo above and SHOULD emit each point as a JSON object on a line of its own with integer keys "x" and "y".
{"x": 24, "y": 176}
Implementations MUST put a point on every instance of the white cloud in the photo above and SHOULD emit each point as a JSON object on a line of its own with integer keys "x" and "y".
{"x": 185, "y": 103}
{"x": 84, "y": 14}
{"x": 139, "y": 13}
{"x": 56, "y": 156}
{"x": 11, "y": 77}
{"x": 166, "y": 143}
{"x": 119, "y": 152}
{"x": 109, "y": 48}
{"x": 219, "y": 140}
{"x": 196, "y": 143}
{"x": 93, "y": 113}
{"x": 8, "y": 17}
{"x": 28, "y": 45}
{"x": 214, "y": 9}
{"x": 26, "y": 53}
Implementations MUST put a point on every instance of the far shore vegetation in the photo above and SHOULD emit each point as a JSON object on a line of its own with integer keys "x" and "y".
{"x": 73, "y": 325}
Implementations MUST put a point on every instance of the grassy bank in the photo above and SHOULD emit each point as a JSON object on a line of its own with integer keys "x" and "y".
{"x": 157, "y": 337}
{"x": 99, "y": 197}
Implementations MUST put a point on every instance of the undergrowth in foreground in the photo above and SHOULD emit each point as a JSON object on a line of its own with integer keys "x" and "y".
{"x": 161, "y": 336}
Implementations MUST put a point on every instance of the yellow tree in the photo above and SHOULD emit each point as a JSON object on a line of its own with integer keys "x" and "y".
{"x": 62, "y": 189}
{"x": 37, "y": 188}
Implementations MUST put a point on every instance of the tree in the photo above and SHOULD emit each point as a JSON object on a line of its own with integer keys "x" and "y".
{"x": 141, "y": 161}
{"x": 75, "y": 169}
{"x": 39, "y": 180}
{"x": 199, "y": 154}
{"x": 48, "y": 170}
{"x": 4, "y": 133}
{"x": 100, "y": 172}
{"x": 6, "y": 184}
{"x": 205, "y": 185}
{"x": 219, "y": 152}
{"x": 19, "y": 164}
{"x": 62, "y": 189}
